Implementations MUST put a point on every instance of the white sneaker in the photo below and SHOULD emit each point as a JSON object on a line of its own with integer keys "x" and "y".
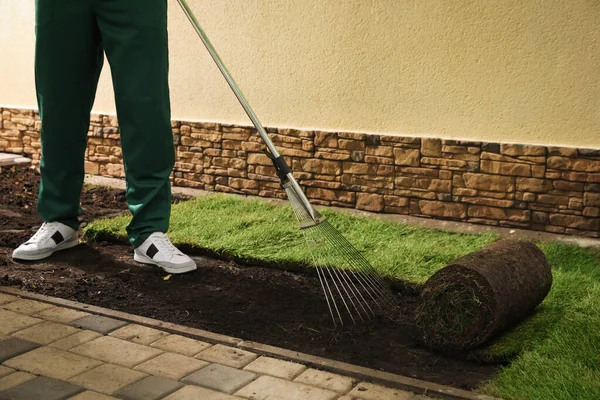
{"x": 51, "y": 237}
{"x": 158, "y": 250}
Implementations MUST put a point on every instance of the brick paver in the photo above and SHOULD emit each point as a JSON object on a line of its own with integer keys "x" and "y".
{"x": 61, "y": 315}
{"x": 226, "y": 355}
{"x": 41, "y": 388}
{"x": 220, "y": 378}
{"x": 369, "y": 391}
{"x": 12, "y": 347}
{"x": 197, "y": 393}
{"x": 46, "y": 332}
{"x": 27, "y": 307}
{"x": 150, "y": 388}
{"x": 15, "y": 379}
{"x": 5, "y": 371}
{"x": 138, "y": 334}
{"x": 89, "y": 395}
{"x": 266, "y": 386}
{"x": 116, "y": 351}
{"x": 7, "y": 298}
{"x": 53, "y": 363}
{"x": 98, "y": 324}
{"x": 13, "y": 322}
{"x": 326, "y": 380}
{"x": 81, "y": 356}
{"x": 75, "y": 340}
{"x": 171, "y": 365}
{"x": 274, "y": 367}
{"x": 107, "y": 378}
{"x": 181, "y": 344}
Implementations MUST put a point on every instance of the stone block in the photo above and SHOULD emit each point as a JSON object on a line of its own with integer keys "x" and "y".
{"x": 495, "y": 213}
{"x": 331, "y": 195}
{"x": 369, "y": 202}
{"x": 5, "y": 371}
{"x": 516, "y": 150}
{"x": 75, "y": 340}
{"x": 13, "y": 322}
{"x": 53, "y": 363}
{"x": 443, "y": 209}
{"x": 97, "y": 323}
{"x": 274, "y": 367}
{"x": 504, "y": 168}
{"x": 396, "y": 201}
{"x": 229, "y": 356}
{"x": 138, "y": 334}
{"x": 12, "y": 347}
{"x": 326, "y": 380}
{"x": 89, "y": 395}
{"x": 534, "y": 185}
{"x": 220, "y": 378}
{"x": 28, "y": 307}
{"x": 7, "y": 298}
{"x": 171, "y": 365}
{"x": 379, "y": 160}
{"x": 431, "y": 147}
{"x": 198, "y": 393}
{"x": 591, "y": 199}
{"x": 326, "y": 139}
{"x": 573, "y": 164}
{"x": 61, "y": 315}
{"x": 267, "y": 387}
{"x": 575, "y": 222}
{"x": 46, "y": 332}
{"x": 346, "y": 144}
{"x": 107, "y": 378}
{"x": 552, "y": 199}
{"x": 150, "y": 388}
{"x": 591, "y": 212}
{"x": 116, "y": 351}
{"x": 41, "y": 388}
{"x": 324, "y": 167}
{"x": 14, "y": 379}
{"x": 380, "y": 151}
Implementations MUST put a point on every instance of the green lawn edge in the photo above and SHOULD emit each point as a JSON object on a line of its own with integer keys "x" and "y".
{"x": 554, "y": 353}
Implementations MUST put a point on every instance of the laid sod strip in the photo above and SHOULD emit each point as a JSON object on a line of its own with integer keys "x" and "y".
{"x": 258, "y": 230}
{"x": 554, "y": 353}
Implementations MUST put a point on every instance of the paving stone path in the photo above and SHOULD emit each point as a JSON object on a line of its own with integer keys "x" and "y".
{"x": 52, "y": 353}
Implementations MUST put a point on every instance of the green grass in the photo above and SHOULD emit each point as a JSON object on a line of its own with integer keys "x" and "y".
{"x": 555, "y": 354}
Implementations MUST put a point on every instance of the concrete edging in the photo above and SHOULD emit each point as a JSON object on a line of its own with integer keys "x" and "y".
{"x": 384, "y": 378}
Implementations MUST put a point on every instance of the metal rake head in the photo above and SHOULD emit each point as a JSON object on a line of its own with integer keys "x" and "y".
{"x": 353, "y": 289}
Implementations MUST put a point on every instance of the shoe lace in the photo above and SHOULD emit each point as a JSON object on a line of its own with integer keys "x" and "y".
{"x": 164, "y": 244}
{"x": 43, "y": 232}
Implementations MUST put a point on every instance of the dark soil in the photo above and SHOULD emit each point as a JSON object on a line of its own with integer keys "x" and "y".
{"x": 260, "y": 304}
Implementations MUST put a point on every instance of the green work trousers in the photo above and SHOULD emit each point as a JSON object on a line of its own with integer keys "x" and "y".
{"x": 71, "y": 39}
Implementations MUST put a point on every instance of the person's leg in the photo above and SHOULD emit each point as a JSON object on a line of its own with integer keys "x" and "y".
{"x": 68, "y": 61}
{"x": 134, "y": 36}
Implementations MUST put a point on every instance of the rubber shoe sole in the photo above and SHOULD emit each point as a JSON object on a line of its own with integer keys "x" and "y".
{"x": 172, "y": 270}
{"x": 40, "y": 256}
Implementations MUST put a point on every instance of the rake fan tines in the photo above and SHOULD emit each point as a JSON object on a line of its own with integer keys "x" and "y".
{"x": 352, "y": 287}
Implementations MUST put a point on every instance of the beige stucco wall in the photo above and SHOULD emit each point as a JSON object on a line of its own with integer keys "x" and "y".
{"x": 524, "y": 71}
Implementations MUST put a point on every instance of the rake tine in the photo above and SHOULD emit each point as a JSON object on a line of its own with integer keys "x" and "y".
{"x": 321, "y": 279}
{"x": 375, "y": 284}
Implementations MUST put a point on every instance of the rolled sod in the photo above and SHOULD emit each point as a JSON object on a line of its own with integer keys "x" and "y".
{"x": 480, "y": 295}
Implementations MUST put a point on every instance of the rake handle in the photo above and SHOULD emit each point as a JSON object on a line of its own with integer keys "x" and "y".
{"x": 283, "y": 170}
{"x": 236, "y": 90}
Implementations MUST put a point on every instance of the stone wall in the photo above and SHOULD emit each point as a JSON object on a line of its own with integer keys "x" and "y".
{"x": 552, "y": 189}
